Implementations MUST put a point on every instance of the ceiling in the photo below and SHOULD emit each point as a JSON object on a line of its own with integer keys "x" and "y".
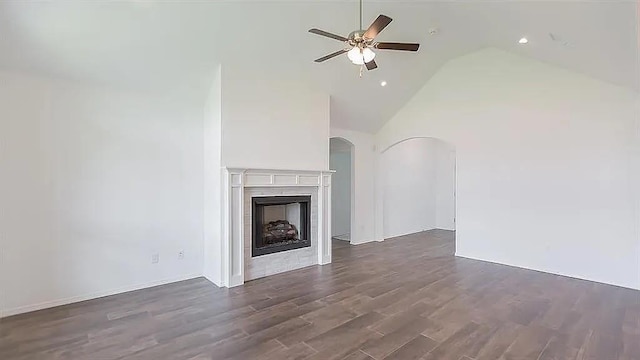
{"x": 174, "y": 47}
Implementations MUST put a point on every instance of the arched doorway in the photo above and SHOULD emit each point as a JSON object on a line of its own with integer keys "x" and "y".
{"x": 418, "y": 187}
{"x": 341, "y": 160}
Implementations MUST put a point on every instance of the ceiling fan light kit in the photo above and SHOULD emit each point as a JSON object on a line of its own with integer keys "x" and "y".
{"x": 360, "y": 43}
{"x": 360, "y": 56}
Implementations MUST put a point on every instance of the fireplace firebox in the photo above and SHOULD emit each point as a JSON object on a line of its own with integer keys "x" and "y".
{"x": 280, "y": 223}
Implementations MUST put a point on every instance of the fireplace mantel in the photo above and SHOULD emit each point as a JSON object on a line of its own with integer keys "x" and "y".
{"x": 236, "y": 181}
{"x": 272, "y": 177}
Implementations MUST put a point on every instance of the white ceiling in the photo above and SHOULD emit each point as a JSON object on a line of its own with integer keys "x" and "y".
{"x": 174, "y": 46}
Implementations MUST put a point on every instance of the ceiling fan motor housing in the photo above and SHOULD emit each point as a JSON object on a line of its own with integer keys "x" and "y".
{"x": 356, "y": 38}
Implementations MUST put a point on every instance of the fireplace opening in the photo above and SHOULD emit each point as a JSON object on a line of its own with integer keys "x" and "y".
{"x": 280, "y": 223}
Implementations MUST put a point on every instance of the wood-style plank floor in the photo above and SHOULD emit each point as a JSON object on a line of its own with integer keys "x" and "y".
{"x": 405, "y": 298}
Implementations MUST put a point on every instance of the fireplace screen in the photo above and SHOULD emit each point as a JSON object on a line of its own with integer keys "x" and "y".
{"x": 280, "y": 223}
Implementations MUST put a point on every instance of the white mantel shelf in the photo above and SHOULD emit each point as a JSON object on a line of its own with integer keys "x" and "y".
{"x": 273, "y": 177}
{"x": 236, "y": 180}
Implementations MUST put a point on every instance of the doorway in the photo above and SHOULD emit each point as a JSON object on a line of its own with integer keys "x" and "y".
{"x": 419, "y": 189}
{"x": 341, "y": 161}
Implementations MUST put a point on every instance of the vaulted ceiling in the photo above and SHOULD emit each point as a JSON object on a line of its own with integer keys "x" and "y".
{"x": 175, "y": 46}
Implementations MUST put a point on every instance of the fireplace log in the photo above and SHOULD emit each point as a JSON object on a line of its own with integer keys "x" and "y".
{"x": 278, "y": 231}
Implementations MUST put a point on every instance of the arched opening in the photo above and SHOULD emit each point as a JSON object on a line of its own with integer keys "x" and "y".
{"x": 341, "y": 160}
{"x": 419, "y": 190}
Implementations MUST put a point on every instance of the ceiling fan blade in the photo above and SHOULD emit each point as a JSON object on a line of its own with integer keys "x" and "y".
{"x": 328, "y": 34}
{"x": 397, "y": 46}
{"x": 371, "y": 65}
{"x": 376, "y": 27}
{"x": 332, "y": 55}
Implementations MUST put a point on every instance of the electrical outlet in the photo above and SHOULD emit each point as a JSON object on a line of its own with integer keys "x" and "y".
{"x": 181, "y": 254}
{"x": 155, "y": 258}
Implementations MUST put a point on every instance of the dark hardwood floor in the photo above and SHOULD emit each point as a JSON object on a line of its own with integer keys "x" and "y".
{"x": 405, "y": 298}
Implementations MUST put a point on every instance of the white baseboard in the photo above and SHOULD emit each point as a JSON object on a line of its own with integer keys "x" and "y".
{"x": 353, "y": 242}
{"x": 216, "y": 282}
{"x": 533, "y": 268}
{"x": 361, "y": 242}
{"x": 75, "y": 299}
{"x": 388, "y": 237}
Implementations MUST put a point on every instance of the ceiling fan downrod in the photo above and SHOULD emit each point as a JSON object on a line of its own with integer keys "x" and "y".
{"x": 360, "y": 28}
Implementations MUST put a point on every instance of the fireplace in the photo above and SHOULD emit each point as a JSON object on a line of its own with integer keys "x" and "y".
{"x": 240, "y": 258}
{"x": 280, "y": 223}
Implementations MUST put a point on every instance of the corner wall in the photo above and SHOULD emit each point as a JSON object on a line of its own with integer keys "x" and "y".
{"x": 636, "y": 178}
{"x": 445, "y": 186}
{"x": 212, "y": 199}
{"x": 544, "y": 164}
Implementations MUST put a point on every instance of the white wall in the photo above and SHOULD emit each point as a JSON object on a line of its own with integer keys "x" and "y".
{"x": 340, "y": 162}
{"x": 364, "y": 179}
{"x": 274, "y": 122}
{"x": 544, "y": 164}
{"x": 270, "y": 120}
{"x": 409, "y": 187}
{"x": 636, "y": 178}
{"x": 93, "y": 182}
{"x": 419, "y": 186}
{"x": 445, "y": 185}
{"x": 212, "y": 146}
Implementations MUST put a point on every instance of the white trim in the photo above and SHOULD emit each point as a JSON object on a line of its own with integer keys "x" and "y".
{"x": 361, "y": 242}
{"x": 236, "y": 180}
{"x": 276, "y": 171}
{"x": 75, "y": 299}
{"x": 550, "y": 272}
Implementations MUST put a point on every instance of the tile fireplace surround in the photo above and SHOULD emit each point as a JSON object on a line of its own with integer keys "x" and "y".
{"x": 239, "y": 186}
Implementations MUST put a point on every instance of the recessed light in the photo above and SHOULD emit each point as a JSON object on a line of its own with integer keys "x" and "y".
{"x": 523, "y": 40}
{"x": 383, "y": 83}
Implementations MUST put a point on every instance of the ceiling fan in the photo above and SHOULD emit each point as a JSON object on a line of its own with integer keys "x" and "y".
{"x": 359, "y": 43}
